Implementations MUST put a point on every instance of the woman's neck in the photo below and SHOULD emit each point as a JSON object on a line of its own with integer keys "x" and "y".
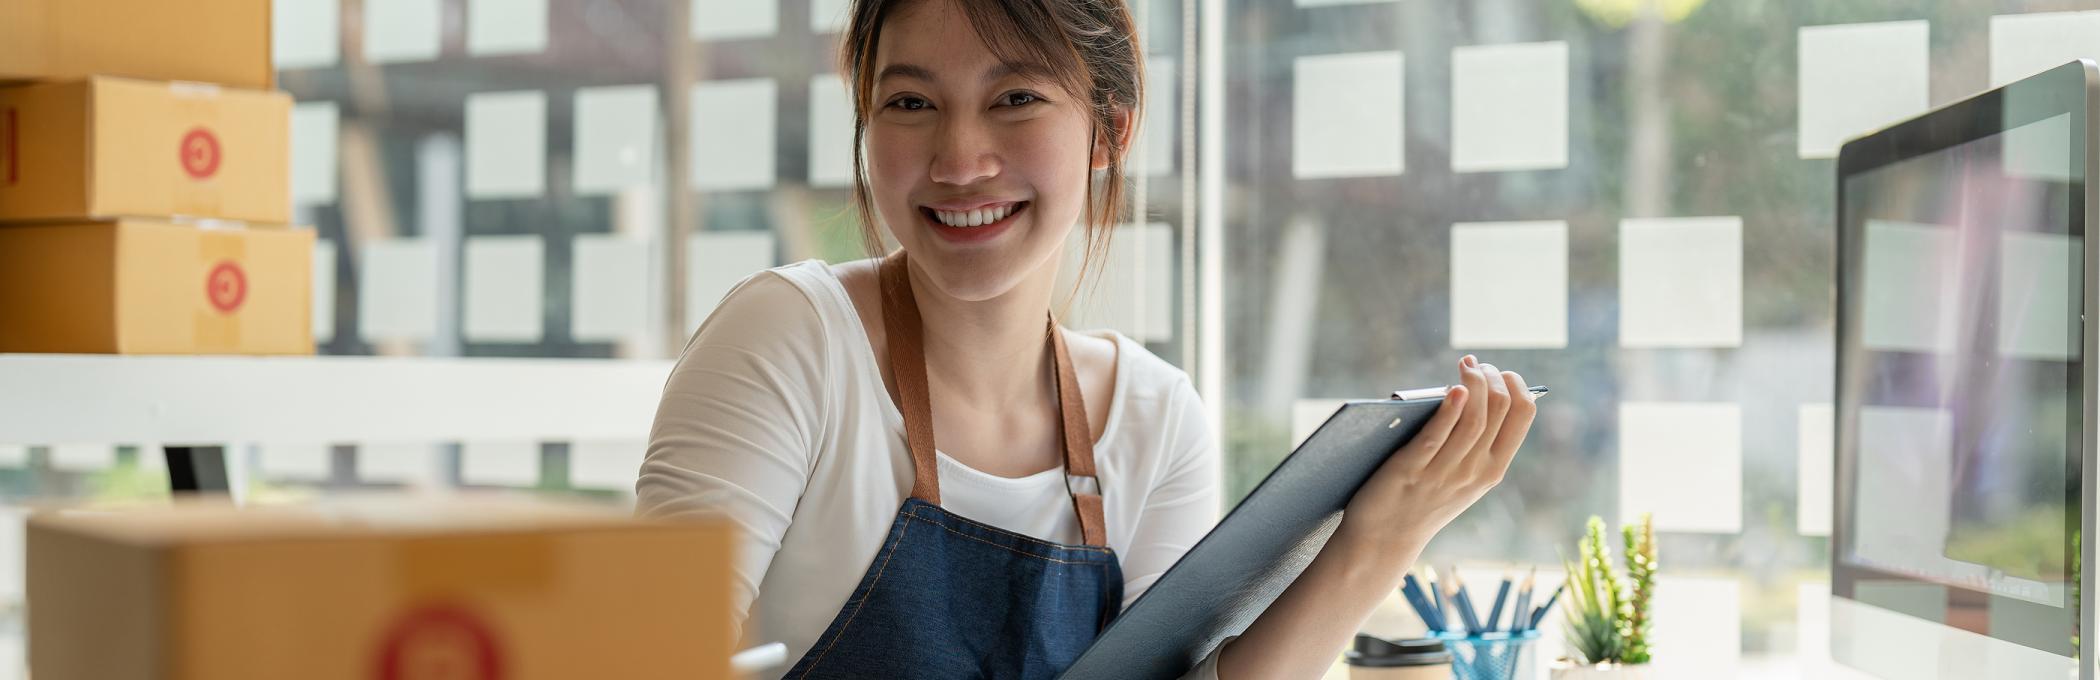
{"x": 988, "y": 352}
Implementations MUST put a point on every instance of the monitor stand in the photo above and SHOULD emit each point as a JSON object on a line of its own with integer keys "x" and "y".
{"x": 1895, "y": 646}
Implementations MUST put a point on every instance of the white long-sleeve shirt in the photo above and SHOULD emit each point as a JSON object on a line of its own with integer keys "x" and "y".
{"x": 776, "y": 416}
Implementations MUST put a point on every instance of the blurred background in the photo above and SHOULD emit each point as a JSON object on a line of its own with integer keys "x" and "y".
{"x": 1628, "y": 200}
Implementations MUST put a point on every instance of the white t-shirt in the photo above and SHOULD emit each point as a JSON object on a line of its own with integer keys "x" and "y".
{"x": 776, "y": 415}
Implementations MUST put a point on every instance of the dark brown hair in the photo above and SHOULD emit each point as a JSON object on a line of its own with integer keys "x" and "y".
{"x": 1089, "y": 47}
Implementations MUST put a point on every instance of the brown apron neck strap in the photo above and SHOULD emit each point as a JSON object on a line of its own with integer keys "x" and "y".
{"x": 902, "y": 329}
{"x": 1079, "y": 445}
{"x": 900, "y": 323}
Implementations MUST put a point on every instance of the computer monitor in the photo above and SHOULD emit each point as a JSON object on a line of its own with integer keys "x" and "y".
{"x": 1964, "y": 406}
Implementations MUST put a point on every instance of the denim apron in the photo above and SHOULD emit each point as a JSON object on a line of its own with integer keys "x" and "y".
{"x": 947, "y": 597}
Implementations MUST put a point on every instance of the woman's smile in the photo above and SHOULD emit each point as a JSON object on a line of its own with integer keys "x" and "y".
{"x": 972, "y": 222}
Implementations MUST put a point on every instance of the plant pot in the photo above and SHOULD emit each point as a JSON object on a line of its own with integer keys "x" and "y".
{"x": 1566, "y": 669}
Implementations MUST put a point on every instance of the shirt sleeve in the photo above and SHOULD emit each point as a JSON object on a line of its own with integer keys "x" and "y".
{"x": 1208, "y": 669}
{"x": 739, "y": 424}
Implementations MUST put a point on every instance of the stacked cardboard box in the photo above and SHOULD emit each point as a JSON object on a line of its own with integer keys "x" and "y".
{"x": 146, "y": 216}
{"x": 386, "y": 587}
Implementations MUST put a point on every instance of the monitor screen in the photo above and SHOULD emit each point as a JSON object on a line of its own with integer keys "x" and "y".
{"x": 1960, "y": 381}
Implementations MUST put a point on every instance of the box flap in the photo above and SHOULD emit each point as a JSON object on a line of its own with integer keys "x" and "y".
{"x": 358, "y": 515}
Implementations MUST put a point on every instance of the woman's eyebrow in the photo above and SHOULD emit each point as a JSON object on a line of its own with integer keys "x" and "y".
{"x": 913, "y": 71}
{"x": 1025, "y": 70}
{"x": 992, "y": 74}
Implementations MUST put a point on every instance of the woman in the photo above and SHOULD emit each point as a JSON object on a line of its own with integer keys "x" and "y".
{"x": 930, "y": 477}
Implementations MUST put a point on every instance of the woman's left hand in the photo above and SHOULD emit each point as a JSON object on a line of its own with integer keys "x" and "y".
{"x": 1462, "y": 452}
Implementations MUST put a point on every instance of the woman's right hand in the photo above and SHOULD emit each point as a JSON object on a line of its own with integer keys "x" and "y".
{"x": 1462, "y": 452}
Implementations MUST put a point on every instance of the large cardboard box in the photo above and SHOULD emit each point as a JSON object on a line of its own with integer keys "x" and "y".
{"x": 214, "y": 41}
{"x": 396, "y": 588}
{"x": 113, "y": 147}
{"x": 154, "y": 287}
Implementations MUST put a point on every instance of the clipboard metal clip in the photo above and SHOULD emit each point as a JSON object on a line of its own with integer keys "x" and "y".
{"x": 1439, "y": 392}
{"x": 1419, "y": 394}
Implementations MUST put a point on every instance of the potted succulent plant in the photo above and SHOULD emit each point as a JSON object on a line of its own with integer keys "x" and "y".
{"x": 1607, "y": 618}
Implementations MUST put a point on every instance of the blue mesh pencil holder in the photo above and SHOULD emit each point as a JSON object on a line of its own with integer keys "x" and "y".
{"x": 1486, "y": 656}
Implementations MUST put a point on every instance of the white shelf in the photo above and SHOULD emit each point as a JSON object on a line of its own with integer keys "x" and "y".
{"x": 61, "y": 398}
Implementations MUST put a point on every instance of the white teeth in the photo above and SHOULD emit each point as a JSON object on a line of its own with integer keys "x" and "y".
{"x": 974, "y": 218}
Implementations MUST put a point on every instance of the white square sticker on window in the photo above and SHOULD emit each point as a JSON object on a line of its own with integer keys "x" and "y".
{"x": 616, "y": 145}
{"x": 1856, "y": 78}
{"x": 610, "y": 294}
{"x": 731, "y": 19}
{"x": 497, "y": 27}
{"x": 304, "y": 33}
{"x": 402, "y": 30}
{"x": 505, "y": 281}
{"x": 1346, "y": 115}
{"x": 1681, "y": 282}
{"x": 1683, "y": 462}
{"x": 732, "y": 134}
{"x": 1509, "y": 285}
{"x": 506, "y": 144}
{"x": 1509, "y": 107}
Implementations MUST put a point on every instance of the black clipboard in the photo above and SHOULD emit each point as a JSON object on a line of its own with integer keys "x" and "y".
{"x": 1222, "y": 584}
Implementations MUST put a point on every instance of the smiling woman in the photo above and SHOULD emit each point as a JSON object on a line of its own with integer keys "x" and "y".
{"x": 1072, "y": 468}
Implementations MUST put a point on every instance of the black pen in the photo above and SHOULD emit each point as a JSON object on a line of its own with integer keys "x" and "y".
{"x": 1540, "y": 615}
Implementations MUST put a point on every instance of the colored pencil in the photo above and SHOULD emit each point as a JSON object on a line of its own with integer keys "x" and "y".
{"x": 1464, "y": 602}
{"x": 1494, "y": 620}
{"x": 1412, "y": 590}
{"x": 1520, "y": 616}
{"x": 1436, "y": 593}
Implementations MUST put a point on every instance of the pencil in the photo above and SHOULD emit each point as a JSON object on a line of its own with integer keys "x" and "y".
{"x": 1520, "y": 616}
{"x": 1436, "y": 592}
{"x": 1464, "y": 602}
{"x": 1494, "y": 620}
{"x": 1412, "y": 590}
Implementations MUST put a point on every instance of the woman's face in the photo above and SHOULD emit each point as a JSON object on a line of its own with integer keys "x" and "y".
{"x": 980, "y": 171}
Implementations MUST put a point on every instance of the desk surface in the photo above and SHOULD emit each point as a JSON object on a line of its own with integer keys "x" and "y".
{"x": 14, "y": 663}
{"x": 1810, "y": 661}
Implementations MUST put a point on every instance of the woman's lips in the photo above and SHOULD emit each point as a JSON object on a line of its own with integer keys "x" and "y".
{"x": 976, "y": 234}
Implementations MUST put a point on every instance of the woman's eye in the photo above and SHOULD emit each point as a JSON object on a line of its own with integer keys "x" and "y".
{"x": 910, "y": 103}
{"x": 1019, "y": 99}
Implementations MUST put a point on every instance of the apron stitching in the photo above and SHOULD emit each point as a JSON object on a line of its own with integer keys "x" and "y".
{"x": 841, "y": 632}
{"x": 1001, "y": 547}
{"x": 1020, "y": 537}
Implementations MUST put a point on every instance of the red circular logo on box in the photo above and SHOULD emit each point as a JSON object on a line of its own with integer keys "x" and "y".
{"x": 226, "y": 287}
{"x": 440, "y": 643}
{"x": 200, "y": 153}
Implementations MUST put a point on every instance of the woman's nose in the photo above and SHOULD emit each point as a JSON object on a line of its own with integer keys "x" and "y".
{"x": 963, "y": 154}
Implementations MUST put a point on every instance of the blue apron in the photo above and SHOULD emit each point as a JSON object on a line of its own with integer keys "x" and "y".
{"x": 947, "y": 597}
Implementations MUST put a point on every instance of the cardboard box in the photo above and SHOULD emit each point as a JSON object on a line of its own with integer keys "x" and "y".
{"x": 112, "y": 147}
{"x": 154, "y": 287}
{"x": 376, "y": 588}
{"x": 213, "y": 41}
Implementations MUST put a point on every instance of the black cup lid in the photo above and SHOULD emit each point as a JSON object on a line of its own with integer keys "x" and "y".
{"x": 1374, "y": 651}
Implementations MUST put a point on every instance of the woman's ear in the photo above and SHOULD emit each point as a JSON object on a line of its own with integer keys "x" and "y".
{"x": 1121, "y": 127}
